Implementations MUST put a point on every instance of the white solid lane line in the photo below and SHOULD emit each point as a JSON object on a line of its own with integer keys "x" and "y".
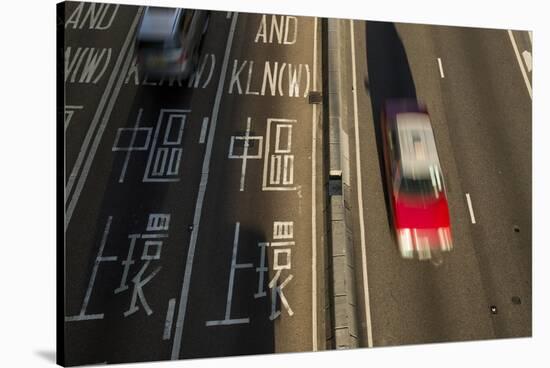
{"x": 525, "y": 78}
{"x": 440, "y": 68}
{"x": 200, "y": 198}
{"x": 360, "y": 192}
{"x": 314, "y": 201}
{"x": 169, "y": 318}
{"x": 104, "y": 99}
{"x": 470, "y": 208}
{"x": 99, "y": 134}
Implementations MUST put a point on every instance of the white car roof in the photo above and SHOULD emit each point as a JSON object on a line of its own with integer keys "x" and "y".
{"x": 417, "y": 145}
{"x": 158, "y": 23}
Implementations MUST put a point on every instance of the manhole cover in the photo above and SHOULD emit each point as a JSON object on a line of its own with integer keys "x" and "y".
{"x": 315, "y": 97}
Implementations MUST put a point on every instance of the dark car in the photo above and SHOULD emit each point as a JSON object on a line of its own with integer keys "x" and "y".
{"x": 169, "y": 41}
{"x": 416, "y": 189}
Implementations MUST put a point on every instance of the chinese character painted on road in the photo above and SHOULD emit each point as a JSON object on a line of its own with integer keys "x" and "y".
{"x": 248, "y": 142}
{"x": 156, "y": 231}
{"x": 150, "y": 242}
{"x": 279, "y": 161}
{"x": 164, "y": 146}
{"x": 283, "y": 233}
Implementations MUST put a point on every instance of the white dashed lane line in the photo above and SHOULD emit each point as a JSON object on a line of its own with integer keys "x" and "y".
{"x": 470, "y": 208}
{"x": 440, "y": 68}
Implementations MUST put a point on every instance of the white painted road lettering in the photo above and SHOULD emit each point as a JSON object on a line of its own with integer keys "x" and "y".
{"x": 292, "y": 83}
{"x": 152, "y": 240}
{"x": 165, "y": 155}
{"x": 279, "y": 28}
{"x": 157, "y": 229}
{"x": 261, "y": 270}
{"x": 278, "y": 171}
{"x": 95, "y": 16}
{"x": 69, "y": 112}
{"x": 245, "y": 156}
{"x": 82, "y": 316}
{"x": 281, "y": 261}
{"x": 234, "y": 266}
{"x": 200, "y": 78}
{"x": 118, "y": 146}
{"x": 86, "y": 64}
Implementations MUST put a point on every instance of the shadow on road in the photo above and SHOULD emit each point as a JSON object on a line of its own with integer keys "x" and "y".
{"x": 389, "y": 76}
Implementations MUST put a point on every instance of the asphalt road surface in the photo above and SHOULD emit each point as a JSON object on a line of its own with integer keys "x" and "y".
{"x": 195, "y": 210}
{"x": 480, "y": 106}
{"x": 189, "y": 205}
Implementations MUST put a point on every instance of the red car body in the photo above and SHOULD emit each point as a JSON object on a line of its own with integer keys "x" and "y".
{"x": 416, "y": 190}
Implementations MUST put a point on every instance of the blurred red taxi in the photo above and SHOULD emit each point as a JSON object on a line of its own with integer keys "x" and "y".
{"x": 418, "y": 200}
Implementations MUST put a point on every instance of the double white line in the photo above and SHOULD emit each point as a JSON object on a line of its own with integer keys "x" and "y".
{"x": 81, "y": 168}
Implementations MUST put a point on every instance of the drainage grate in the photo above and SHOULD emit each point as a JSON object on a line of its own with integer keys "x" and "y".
{"x": 315, "y": 97}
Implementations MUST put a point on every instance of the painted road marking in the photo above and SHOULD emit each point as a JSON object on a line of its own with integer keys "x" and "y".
{"x": 528, "y": 59}
{"x": 245, "y": 156}
{"x": 87, "y": 71}
{"x": 93, "y": 17}
{"x": 159, "y": 151}
{"x": 82, "y": 316}
{"x": 176, "y": 347}
{"x": 234, "y": 266}
{"x": 132, "y": 142}
{"x": 69, "y": 112}
{"x": 279, "y": 29}
{"x": 273, "y": 74}
{"x": 76, "y": 168}
{"x": 360, "y": 192}
{"x": 204, "y": 128}
{"x": 274, "y": 161}
{"x": 169, "y": 319}
{"x": 530, "y": 36}
{"x": 518, "y": 57}
{"x": 440, "y": 68}
{"x": 313, "y": 199}
{"x": 470, "y": 208}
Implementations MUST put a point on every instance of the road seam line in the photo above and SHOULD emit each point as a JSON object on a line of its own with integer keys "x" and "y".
{"x": 516, "y": 51}
{"x": 200, "y": 198}
{"x": 360, "y": 192}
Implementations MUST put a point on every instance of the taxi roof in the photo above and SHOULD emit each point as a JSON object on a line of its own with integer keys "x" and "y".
{"x": 159, "y": 23}
{"x": 416, "y": 144}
